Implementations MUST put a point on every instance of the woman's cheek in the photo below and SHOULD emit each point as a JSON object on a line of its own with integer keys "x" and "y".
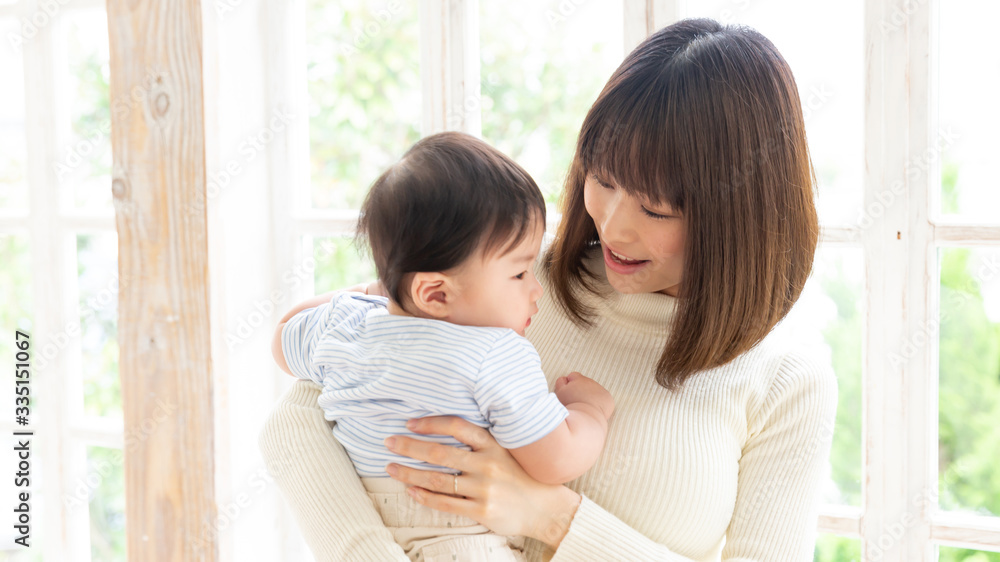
{"x": 591, "y": 202}
{"x": 675, "y": 239}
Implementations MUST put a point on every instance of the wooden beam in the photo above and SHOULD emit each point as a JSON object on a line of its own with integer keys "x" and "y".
{"x": 449, "y": 66}
{"x": 967, "y": 234}
{"x": 645, "y": 17}
{"x": 159, "y": 132}
{"x": 967, "y": 531}
{"x": 840, "y": 520}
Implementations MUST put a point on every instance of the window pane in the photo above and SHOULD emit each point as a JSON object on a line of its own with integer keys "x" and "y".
{"x": 969, "y": 370}
{"x": 831, "y": 548}
{"x": 339, "y": 265}
{"x": 364, "y": 94}
{"x": 84, "y": 167}
{"x": 13, "y": 155}
{"x": 968, "y": 79}
{"x": 828, "y": 63}
{"x": 106, "y": 478}
{"x": 15, "y": 314}
{"x": 97, "y": 267}
{"x": 951, "y": 554}
{"x": 828, "y": 321}
{"x": 543, "y": 64}
{"x": 15, "y": 287}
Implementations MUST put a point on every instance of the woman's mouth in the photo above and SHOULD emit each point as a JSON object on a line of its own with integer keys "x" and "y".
{"x": 620, "y": 263}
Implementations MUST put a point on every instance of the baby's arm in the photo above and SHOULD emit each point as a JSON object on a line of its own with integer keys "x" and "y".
{"x": 276, "y": 347}
{"x": 573, "y": 447}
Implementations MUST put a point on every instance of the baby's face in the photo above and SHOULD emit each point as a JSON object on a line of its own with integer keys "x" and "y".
{"x": 499, "y": 291}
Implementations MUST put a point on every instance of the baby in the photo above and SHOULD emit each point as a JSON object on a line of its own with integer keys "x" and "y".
{"x": 454, "y": 229}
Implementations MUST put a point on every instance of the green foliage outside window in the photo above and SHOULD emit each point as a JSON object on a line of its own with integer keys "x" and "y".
{"x": 364, "y": 94}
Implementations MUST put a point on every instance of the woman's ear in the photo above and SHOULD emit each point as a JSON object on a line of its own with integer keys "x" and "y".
{"x": 432, "y": 294}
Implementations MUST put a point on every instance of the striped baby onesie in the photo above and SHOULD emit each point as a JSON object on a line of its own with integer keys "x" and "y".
{"x": 378, "y": 370}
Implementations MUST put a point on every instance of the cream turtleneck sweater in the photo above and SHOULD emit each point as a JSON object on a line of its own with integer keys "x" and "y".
{"x": 730, "y": 465}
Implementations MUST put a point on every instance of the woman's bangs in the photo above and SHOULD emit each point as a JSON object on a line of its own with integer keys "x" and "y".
{"x": 633, "y": 145}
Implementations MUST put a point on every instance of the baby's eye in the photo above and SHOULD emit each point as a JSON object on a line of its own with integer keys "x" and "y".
{"x": 520, "y": 275}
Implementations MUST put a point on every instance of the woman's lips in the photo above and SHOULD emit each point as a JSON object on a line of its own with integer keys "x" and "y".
{"x": 616, "y": 265}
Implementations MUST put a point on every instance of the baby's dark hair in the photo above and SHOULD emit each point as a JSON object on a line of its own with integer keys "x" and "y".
{"x": 450, "y": 196}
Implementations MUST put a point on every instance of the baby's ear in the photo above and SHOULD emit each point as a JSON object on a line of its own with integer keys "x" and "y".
{"x": 432, "y": 293}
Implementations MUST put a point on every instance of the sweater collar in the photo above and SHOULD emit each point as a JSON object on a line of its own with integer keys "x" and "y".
{"x": 645, "y": 312}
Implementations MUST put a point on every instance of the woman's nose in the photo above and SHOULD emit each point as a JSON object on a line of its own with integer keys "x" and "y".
{"x": 616, "y": 222}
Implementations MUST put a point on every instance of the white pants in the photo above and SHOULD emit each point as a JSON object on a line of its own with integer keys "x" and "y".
{"x": 428, "y": 535}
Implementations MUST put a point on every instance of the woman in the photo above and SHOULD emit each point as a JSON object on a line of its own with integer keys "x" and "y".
{"x": 688, "y": 232}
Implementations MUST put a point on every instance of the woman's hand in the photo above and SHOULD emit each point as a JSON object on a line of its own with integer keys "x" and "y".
{"x": 493, "y": 489}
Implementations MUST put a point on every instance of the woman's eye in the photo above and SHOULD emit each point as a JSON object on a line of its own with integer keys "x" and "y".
{"x": 654, "y": 215}
{"x": 601, "y": 182}
{"x": 520, "y": 275}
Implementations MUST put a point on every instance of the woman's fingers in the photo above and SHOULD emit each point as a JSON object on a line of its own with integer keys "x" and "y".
{"x": 434, "y": 453}
{"x": 451, "y": 504}
{"x": 439, "y": 482}
{"x": 462, "y": 430}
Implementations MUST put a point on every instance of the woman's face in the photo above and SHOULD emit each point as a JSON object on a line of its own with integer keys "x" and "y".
{"x": 643, "y": 244}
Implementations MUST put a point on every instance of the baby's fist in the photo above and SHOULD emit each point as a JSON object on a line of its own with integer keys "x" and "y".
{"x": 575, "y": 387}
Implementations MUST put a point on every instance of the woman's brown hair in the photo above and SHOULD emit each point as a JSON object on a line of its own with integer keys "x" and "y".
{"x": 705, "y": 118}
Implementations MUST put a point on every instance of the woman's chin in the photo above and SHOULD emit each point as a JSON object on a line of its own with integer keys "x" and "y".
{"x": 625, "y": 284}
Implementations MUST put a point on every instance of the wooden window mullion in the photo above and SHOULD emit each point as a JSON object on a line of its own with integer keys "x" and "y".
{"x": 450, "y": 66}
{"x": 158, "y": 184}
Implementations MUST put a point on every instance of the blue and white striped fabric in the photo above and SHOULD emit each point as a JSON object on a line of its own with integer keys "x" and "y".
{"x": 379, "y": 370}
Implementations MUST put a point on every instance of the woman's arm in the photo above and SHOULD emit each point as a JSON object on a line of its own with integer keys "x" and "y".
{"x": 318, "y": 481}
{"x": 781, "y": 471}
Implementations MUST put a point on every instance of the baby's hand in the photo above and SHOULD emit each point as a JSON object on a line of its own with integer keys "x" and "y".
{"x": 575, "y": 387}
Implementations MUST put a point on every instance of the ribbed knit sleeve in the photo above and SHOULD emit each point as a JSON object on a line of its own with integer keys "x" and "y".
{"x": 780, "y": 473}
{"x": 783, "y": 465}
{"x": 316, "y": 476}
